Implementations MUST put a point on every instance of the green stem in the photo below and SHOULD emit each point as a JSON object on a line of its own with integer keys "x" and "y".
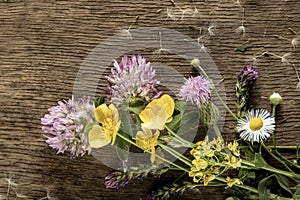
{"x": 174, "y": 153}
{"x": 183, "y": 141}
{"x": 240, "y": 186}
{"x": 272, "y": 147}
{"x": 275, "y": 157}
{"x": 286, "y": 160}
{"x": 272, "y": 169}
{"x": 159, "y": 157}
{"x": 217, "y": 93}
{"x": 216, "y": 129}
{"x": 273, "y": 111}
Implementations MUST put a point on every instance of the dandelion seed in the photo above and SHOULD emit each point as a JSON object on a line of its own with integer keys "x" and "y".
{"x": 171, "y": 14}
{"x": 284, "y": 59}
{"x": 20, "y": 195}
{"x": 298, "y": 77}
{"x": 253, "y": 60}
{"x": 295, "y": 42}
{"x": 211, "y": 29}
{"x": 127, "y": 31}
{"x": 241, "y": 30}
{"x": 298, "y": 87}
{"x": 161, "y": 49}
{"x": 48, "y": 196}
{"x": 238, "y": 3}
{"x": 196, "y": 12}
{"x": 203, "y": 48}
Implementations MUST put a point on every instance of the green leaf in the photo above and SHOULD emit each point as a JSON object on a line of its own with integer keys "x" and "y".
{"x": 125, "y": 122}
{"x": 174, "y": 124}
{"x": 177, "y": 115}
{"x": 136, "y": 110}
{"x": 122, "y": 146}
{"x": 283, "y": 182}
{"x": 99, "y": 101}
{"x": 189, "y": 121}
{"x": 180, "y": 107}
{"x": 297, "y": 192}
{"x": 241, "y": 49}
{"x": 263, "y": 188}
{"x": 259, "y": 161}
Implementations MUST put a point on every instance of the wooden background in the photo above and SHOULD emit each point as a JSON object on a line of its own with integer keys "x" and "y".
{"x": 43, "y": 43}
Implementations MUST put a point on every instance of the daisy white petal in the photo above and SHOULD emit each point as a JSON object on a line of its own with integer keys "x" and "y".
{"x": 256, "y": 125}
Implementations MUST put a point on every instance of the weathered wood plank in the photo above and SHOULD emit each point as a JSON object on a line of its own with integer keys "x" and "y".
{"x": 44, "y": 43}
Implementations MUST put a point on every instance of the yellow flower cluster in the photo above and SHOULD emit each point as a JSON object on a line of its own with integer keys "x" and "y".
{"x": 212, "y": 158}
{"x": 205, "y": 164}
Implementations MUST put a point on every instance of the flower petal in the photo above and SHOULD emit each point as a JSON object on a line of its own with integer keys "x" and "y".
{"x": 168, "y": 104}
{"x": 154, "y": 117}
{"x": 102, "y": 113}
{"x": 97, "y": 137}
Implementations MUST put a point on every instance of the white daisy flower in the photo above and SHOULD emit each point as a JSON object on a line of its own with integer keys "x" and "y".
{"x": 256, "y": 125}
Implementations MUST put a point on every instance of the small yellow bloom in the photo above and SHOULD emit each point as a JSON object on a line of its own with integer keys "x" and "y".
{"x": 232, "y": 161}
{"x": 200, "y": 164}
{"x": 208, "y": 178}
{"x": 157, "y": 113}
{"x": 108, "y": 116}
{"x": 233, "y": 148}
{"x": 233, "y": 181}
{"x": 147, "y": 141}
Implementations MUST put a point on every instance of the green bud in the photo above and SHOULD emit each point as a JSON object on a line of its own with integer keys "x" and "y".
{"x": 195, "y": 62}
{"x": 275, "y": 99}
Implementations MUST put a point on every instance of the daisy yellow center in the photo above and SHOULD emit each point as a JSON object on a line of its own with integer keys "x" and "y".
{"x": 256, "y": 123}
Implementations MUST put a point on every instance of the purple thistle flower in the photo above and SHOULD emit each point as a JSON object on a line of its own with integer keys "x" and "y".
{"x": 66, "y": 122}
{"x": 195, "y": 90}
{"x": 132, "y": 78}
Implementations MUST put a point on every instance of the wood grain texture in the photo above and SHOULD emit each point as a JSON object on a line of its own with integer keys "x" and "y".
{"x": 43, "y": 43}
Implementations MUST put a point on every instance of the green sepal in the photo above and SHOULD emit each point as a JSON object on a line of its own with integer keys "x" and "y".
{"x": 100, "y": 100}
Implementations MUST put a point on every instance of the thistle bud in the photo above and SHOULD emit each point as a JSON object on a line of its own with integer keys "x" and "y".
{"x": 195, "y": 62}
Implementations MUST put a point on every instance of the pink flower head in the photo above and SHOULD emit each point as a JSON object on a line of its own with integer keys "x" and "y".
{"x": 195, "y": 90}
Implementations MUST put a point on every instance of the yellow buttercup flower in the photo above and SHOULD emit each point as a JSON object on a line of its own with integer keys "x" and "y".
{"x": 147, "y": 141}
{"x": 108, "y": 116}
{"x": 157, "y": 113}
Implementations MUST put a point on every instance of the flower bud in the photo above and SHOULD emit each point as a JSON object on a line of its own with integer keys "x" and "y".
{"x": 195, "y": 62}
{"x": 275, "y": 99}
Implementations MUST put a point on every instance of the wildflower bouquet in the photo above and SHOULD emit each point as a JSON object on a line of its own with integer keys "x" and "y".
{"x": 136, "y": 117}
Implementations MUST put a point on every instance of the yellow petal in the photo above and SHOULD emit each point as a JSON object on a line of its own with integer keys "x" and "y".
{"x": 114, "y": 112}
{"x": 115, "y": 132}
{"x": 97, "y": 137}
{"x": 168, "y": 104}
{"x": 154, "y": 117}
{"x": 102, "y": 113}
